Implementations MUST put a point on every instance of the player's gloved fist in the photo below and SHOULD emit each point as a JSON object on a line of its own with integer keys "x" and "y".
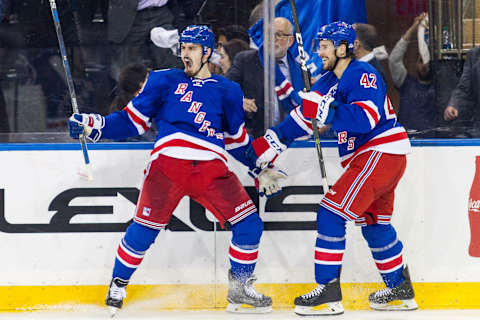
{"x": 266, "y": 149}
{"x": 89, "y": 124}
{"x": 267, "y": 180}
{"x": 315, "y": 105}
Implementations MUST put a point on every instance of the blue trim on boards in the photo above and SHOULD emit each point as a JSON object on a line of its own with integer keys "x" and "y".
{"x": 149, "y": 145}
{"x": 415, "y": 143}
{"x": 75, "y": 146}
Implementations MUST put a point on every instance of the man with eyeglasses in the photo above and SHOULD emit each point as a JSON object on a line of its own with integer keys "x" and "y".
{"x": 247, "y": 70}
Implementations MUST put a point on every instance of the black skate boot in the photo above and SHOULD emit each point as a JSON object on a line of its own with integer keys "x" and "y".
{"x": 115, "y": 295}
{"x": 397, "y": 298}
{"x": 243, "y": 298}
{"x": 323, "y": 300}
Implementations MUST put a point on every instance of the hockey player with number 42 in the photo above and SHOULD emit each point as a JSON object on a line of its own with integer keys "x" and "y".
{"x": 352, "y": 98}
{"x": 199, "y": 116}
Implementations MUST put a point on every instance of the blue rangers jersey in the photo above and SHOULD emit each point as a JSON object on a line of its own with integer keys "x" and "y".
{"x": 197, "y": 119}
{"x": 364, "y": 118}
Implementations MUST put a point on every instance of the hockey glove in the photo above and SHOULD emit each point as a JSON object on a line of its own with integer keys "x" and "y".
{"x": 267, "y": 180}
{"x": 89, "y": 124}
{"x": 266, "y": 149}
{"x": 315, "y": 105}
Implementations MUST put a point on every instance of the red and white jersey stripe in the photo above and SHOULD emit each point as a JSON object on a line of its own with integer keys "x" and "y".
{"x": 141, "y": 122}
{"x": 381, "y": 219}
{"x": 239, "y": 139}
{"x": 150, "y": 224}
{"x": 371, "y": 111}
{"x": 245, "y": 210}
{"x": 244, "y": 256}
{"x": 329, "y": 256}
{"x": 183, "y": 146}
{"x": 302, "y": 122}
{"x": 127, "y": 257}
{"x": 389, "y": 265}
{"x": 393, "y": 141}
{"x": 384, "y": 218}
{"x": 361, "y": 222}
{"x": 284, "y": 89}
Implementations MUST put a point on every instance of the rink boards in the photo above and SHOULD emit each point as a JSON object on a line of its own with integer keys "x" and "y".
{"x": 59, "y": 233}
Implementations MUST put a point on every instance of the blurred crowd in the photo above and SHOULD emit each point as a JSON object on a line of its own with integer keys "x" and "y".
{"x": 112, "y": 45}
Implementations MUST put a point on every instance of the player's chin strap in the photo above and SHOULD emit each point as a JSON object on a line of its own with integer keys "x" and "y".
{"x": 338, "y": 58}
{"x": 201, "y": 65}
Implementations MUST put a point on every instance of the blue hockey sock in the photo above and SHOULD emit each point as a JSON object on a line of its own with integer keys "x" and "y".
{"x": 243, "y": 250}
{"x": 329, "y": 246}
{"x": 132, "y": 249}
{"x": 386, "y": 251}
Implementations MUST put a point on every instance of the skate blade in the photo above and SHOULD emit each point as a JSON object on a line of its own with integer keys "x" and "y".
{"x": 397, "y": 305}
{"x": 113, "y": 311}
{"x": 245, "y": 308}
{"x": 326, "y": 309}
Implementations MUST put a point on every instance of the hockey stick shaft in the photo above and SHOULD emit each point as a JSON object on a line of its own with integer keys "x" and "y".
{"x": 68, "y": 75}
{"x": 308, "y": 87}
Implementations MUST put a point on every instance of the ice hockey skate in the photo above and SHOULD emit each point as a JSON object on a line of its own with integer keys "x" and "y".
{"x": 400, "y": 297}
{"x": 115, "y": 295}
{"x": 323, "y": 300}
{"x": 243, "y": 298}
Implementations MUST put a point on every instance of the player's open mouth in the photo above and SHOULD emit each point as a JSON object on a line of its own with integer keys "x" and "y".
{"x": 188, "y": 63}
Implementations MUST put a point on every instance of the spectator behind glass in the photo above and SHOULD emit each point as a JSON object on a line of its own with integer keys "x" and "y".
{"x": 39, "y": 44}
{"x": 223, "y": 35}
{"x": 129, "y": 26}
{"x": 228, "y": 51}
{"x": 465, "y": 99}
{"x": 247, "y": 70}
{"x": 131, "y": 80}
{"x": 4, "y": 9}
{"x": 5, "y": 45}
{"x": 363, "y": 46}
{"x": 417, "y": 110}
{"x": 257, "y": 13}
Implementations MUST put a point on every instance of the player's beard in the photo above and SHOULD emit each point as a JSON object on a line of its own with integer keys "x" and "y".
{"x": 329, "y": 63}
{"x": 191, "y": 68}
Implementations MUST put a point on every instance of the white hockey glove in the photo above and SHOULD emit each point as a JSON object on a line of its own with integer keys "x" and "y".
{"x": 89, "y": 124}
{"x": 266, "y": 149}
{"x": 267, "y": 180}
{"x": 164, "y": 38}
{"x": 315, "y": 105}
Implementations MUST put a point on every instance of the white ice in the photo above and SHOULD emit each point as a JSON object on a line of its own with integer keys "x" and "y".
{"x": 101, "y": 313}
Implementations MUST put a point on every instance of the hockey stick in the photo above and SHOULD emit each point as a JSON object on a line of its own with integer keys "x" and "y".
{"x": 306, "y": 82}
{"x": 71, "y": 88}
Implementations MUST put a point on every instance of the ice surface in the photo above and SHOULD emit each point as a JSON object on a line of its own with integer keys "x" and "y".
{"x": 102, "y": 313}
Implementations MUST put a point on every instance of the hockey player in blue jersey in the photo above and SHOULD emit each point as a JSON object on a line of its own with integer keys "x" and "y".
{"x": 351, "y": 98}
{"x": 198, "y": 116}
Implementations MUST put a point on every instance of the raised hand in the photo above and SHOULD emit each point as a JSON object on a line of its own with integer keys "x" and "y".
{"x": 315, "y": 105}
{"x": 89, "y": 124}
